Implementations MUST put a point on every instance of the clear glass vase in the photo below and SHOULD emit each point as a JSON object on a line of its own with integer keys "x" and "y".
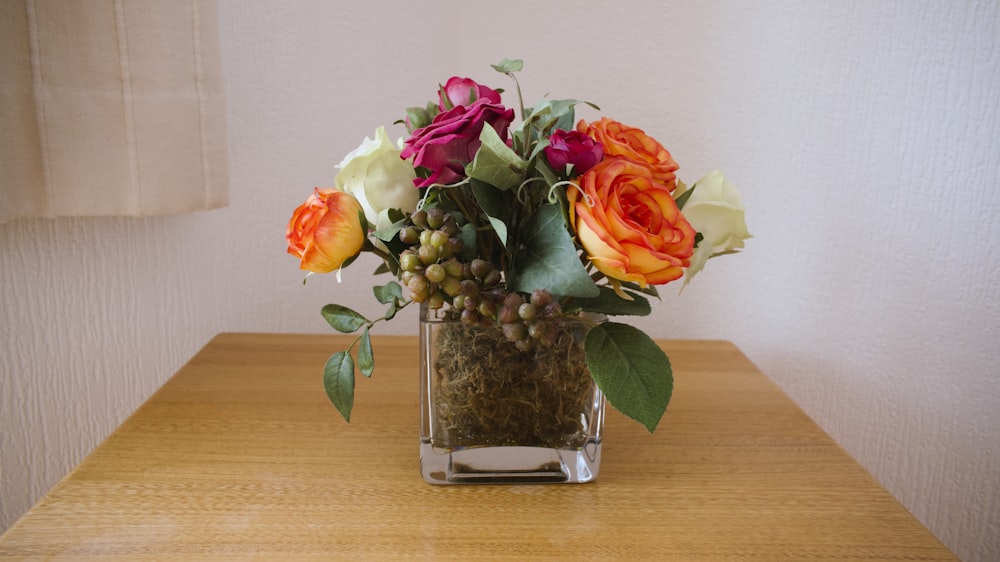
{"x": 491, "y": 413}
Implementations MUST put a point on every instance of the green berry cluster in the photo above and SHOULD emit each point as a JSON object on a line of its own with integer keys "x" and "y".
{"x": 429, "y": 267}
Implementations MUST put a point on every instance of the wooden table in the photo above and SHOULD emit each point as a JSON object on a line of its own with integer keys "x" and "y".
{"x": 240, "y": 455}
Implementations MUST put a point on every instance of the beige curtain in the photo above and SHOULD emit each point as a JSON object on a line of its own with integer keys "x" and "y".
{"x": 110, "y": 107}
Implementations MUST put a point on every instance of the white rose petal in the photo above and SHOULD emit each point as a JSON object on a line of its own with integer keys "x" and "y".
{"x": 715, "y": 209}
{"x": 376, "y": 175}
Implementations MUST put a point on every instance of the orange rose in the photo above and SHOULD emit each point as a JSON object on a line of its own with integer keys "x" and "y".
{"x": 629, "y": 224}
{"x": 326, "y": 230}
{"x": 635, "y": 145}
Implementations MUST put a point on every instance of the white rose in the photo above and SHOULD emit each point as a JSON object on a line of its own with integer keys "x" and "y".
{"x": 376, "y": 175}
{"x": 714, "y": 209}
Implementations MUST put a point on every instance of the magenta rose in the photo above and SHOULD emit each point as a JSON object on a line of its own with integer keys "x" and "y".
{"x": 464, "y": 91}
{"x": 572, "y": 147}
{"x": 451, "y": 140}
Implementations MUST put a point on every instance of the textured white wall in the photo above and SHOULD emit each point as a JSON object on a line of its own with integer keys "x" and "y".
{"x": 865, "y": 138}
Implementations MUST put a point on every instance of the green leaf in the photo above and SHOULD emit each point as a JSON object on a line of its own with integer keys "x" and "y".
{"x": 631, "y": 370}
{"x": 649, "y": 290}
{"x": 390, "y": 313}
{"x": 338, "y": 380}
{"x": 389, "y": 233}
{"x": 545, "y": 171}
{"x": 418, "y": 117}
{"x": 496, "y": 204}
{"x": 554, "y": 114}
{"x": 343, "y": 319}
{"x": 388, "y": 293}
{"x": 366, "y": 359}
{"x": 608, "y": 302}
{"x": 507, "y": 66}
{"x": 495, "y": 163}
{"x": 684, "y": 195}
{"x": 467, "y": 232}
{"x": 549, "y": 259}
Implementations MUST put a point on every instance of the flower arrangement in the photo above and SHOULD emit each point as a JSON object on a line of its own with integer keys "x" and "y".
{"x": 516, "y": 224}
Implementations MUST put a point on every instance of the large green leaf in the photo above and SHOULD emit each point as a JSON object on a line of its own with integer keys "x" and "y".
{"x": 338, "y": 380}
{"x": 495, "y": 163}
{"x": 549, "y": 259}
{"x": 631, "y": 370}
{"x": 343, "y": 319}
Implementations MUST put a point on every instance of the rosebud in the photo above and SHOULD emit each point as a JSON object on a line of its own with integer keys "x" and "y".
{"x": 572, "y": 147}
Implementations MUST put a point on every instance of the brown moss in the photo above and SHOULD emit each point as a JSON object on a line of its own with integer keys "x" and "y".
{"x": 488, "y": 393}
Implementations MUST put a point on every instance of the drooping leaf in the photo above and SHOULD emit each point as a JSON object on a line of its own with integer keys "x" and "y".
{"x": 338, "y": 380}
{"x": 495, "y": 163}
{"x": 343, "y": 319}
{"x": 549, "y": 259}
{"x": 632, "y": 371}
{"x": 366, "y": 359}
{"x": 496, "y": 204}
{"x": 608, "y": 302}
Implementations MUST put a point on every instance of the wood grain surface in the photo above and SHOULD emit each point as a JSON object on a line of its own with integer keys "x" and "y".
{"x": 241, "y": 456}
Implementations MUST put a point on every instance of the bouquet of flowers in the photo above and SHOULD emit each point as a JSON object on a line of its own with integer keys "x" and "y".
{"x": 499, "y": 222}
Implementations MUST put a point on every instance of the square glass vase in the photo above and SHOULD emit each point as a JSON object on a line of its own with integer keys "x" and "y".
{"x": 492, "y": 413}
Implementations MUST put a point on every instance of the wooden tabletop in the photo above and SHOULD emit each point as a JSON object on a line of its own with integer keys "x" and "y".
{"x": 240, "y": 455}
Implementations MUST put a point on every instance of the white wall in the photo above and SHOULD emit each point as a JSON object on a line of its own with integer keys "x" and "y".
{"x": 864, "y": 136}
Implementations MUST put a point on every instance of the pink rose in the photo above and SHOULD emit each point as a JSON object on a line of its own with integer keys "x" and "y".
{"x": 451, "y": 140}
{"x": 464, "y": 91}
{"x": 572, "y": 147}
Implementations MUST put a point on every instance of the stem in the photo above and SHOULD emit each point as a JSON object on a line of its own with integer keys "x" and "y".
{"x": 520, "y": 99}
{"x": 378, "y": 252}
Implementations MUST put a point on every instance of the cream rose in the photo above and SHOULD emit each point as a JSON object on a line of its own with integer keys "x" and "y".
{"x": 379, "y": 179}
{"x": 714, "y": 209}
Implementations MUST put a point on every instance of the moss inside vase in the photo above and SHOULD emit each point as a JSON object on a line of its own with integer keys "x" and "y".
{"x": 487, "y": 392}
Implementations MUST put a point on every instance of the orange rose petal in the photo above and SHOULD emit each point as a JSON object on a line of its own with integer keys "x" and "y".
{"x": 595, "y": 240}
{"x": 616, "y": 269}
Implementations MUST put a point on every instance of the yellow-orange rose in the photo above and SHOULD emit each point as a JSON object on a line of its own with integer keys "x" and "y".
{"x": 629, "y": 224}
{"x": 633, "y": 144}
{"x": 326, "y": 230}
